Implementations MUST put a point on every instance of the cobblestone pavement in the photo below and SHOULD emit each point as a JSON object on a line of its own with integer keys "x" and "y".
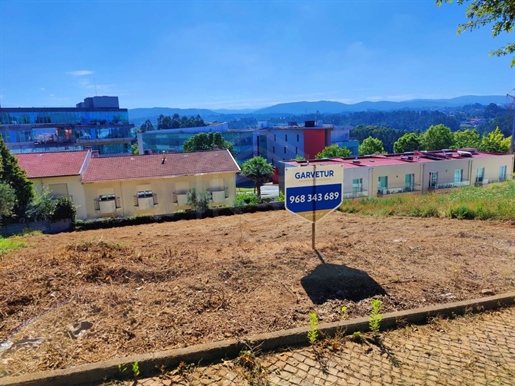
{"x": 470, "y": 350}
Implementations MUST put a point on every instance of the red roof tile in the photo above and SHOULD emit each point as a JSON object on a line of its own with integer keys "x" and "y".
{"x": 52, "y": 164}
{"x": 138, "y": 167}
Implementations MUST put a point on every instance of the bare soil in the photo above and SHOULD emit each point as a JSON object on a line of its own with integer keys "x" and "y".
{"x": 156, "y": 287}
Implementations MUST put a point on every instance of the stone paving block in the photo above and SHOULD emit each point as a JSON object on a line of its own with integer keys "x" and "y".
{"x": 478, "y": 349}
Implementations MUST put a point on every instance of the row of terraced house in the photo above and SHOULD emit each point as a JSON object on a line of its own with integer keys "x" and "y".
{"x": 156, "y": 184}
{"x": 415, "y": 172}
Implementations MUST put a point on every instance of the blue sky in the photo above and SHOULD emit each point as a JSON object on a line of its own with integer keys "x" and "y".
{"x": 242, "y": 54}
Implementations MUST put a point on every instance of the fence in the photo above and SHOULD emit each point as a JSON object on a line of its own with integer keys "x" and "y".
{"x": 43, "y": 226}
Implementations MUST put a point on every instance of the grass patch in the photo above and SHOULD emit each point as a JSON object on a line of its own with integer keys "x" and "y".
{"x": 493, "y": 202}
{"x": 11, "y": 243}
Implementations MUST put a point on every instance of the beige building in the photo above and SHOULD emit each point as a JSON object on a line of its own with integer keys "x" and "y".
{"x": 138, "y": 184}
{"x": 59, "y": 172}
{"x": 417, "y": 172}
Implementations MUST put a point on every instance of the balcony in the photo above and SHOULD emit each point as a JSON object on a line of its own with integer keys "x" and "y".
{"x": 397, "y": 190}
{"x": 219, "y": 194}
{"x": 356, "y": 194}
{"x": 180, "y": 197}
{"x": 450, "y": 185}
{"x": 145, "y": 201}
{"x": 107, "y": 204}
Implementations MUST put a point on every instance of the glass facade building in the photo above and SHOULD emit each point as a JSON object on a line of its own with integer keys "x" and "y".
{"x": 99, "y": 124}
{"x": 172, "y": 140}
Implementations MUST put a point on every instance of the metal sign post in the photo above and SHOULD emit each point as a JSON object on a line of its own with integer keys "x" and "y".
{"x": 312, "y": 192}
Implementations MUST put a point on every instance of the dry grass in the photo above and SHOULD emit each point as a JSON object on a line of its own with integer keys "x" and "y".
{"x": 156, "y": 287}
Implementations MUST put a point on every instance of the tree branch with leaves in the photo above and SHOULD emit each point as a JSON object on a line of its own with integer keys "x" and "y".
{"x": 498, "y": 13}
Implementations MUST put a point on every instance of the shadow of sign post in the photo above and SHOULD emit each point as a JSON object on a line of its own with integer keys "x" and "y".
{"x": 339, "y": 282}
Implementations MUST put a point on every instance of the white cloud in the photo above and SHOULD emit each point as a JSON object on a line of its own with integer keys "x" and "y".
{"x": 80, "y": 72}
{"x": 43, "y": 89}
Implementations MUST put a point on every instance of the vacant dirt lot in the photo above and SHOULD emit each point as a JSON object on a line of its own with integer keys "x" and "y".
{"x": 156, "y": 287}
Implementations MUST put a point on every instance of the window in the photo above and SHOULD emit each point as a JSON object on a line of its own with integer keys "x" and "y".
{"x": 181, "y": 193}
{"x": 144, "y": 197}
{"x": 296, "y": 151}
{"x": 285, "y": 150}
{"x": 409, "y": 182}
{"x": 298, "y": 138}
{"x": 144, "y": 194}
{"x": 286, "y": 137}
{"x": 502, "y": 173}
{"x": 107, "y": 202}
{"x": 480, "y": 174}
{"x": 357, "y": 185}
{"x": 458, "y": 175}
{"x": 383, "y": 184}
{"x": 273, "y": 149}
{"x": 275, "y": 138}
{"x": 433, "y": 179}
{"x": 58, "y": 190}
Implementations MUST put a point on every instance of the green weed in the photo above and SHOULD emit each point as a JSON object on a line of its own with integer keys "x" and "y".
{"x": 313, "y": 327}
{"x": 375, "y": 317}
{"x": 135, "y": 369}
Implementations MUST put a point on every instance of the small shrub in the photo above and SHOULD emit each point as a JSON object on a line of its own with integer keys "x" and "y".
{"x": 430, "y": 211}
{"x": 462, "y": 212}
{"x": 64, "y": 210}
{"x": 199, "y": 200}
{"x": 375, "y": 317}
{"x": 313, "y": 327}
{"x": 41, "y": 207}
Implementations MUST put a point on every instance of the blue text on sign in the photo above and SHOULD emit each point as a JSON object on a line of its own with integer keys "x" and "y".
{"x": 317, "y": 174}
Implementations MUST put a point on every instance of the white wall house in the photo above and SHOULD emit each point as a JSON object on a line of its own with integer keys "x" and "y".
{"x": 134, "y": 184}
{"x": 420, "y": 172}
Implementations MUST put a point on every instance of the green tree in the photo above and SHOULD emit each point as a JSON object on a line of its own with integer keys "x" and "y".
{"x": 198, "y": 200}
{"x": 207, "y": 141}
{"x": 437, "y": 137}
{"x": 257, "y": 170}
{"x": 333, "y": 151}
{"x": 175, "y": 122}
{"x": 408, "y": 142}
{"x": 41, "y": 207}
{"x": 371, "y": 146}
{"x": 495, "y": 142}
{"x": 146, "y": 126}
{"x": 16, "y": 178}
{"x": 466, "y": 138}
{"x": 134, "y": 148}
{"x": 7, "y": 200}
{"x": 498, "y": 13}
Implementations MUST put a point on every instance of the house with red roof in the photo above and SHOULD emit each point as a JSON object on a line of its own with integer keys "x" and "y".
{"x": 414, "y": 172}
{"x": 59, "y": 172}
{"x": 157, "y": 183}
{"x": 127, "y": 185}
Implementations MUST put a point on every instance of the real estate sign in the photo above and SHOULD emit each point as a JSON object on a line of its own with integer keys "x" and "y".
{"x": 313, "y": 191}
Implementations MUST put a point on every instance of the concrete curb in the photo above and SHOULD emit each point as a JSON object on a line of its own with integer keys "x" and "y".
{"x": 149, "y": 364}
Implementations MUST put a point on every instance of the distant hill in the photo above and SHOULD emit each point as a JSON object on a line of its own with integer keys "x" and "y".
{"x": 140, "y": 115}
{"x": 328, "y": 107}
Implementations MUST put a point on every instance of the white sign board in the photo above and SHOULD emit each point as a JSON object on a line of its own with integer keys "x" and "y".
{"x": 313, "y": 191}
